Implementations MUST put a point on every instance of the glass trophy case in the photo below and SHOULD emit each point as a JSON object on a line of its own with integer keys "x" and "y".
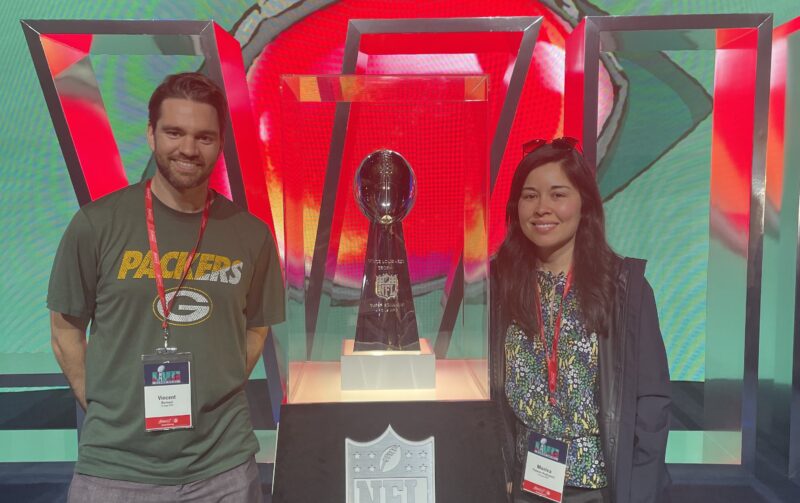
{"x": 386, "y": 237}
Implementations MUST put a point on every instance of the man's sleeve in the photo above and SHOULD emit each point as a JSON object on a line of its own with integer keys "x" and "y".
{"x": 265, "y": 300}
{"x": 73, "y": 280}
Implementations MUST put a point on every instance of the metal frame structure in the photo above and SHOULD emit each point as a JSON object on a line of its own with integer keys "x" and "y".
{"x": 61, "y": 52}
{"x": 783, "y": 417}
{"x": 743, "y": 44}
{"x": 320, "y": 266}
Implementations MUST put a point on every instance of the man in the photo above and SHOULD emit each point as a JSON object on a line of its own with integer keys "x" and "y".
{"x": 126, "y": 264}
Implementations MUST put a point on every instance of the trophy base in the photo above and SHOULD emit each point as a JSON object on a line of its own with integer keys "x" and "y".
{"x": 369, "y": 370}
{"x": 359, "y": 346}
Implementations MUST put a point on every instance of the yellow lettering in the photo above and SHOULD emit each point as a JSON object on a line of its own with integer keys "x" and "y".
{"x": 173, "y": 272}
{"x": 189, "y": 274}
{"x": 204, "y": 264}
{"x": 218, "y": 272}
{"x": 130, "y": 260}
{"x": 180, "y": 264}
{"x": 145, "y": 268}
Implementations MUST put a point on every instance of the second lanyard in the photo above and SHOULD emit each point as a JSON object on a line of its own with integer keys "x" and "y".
{"x": 552, "y": 356}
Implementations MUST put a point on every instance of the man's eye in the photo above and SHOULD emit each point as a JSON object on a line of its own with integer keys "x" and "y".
{"x": 172, "y": 134}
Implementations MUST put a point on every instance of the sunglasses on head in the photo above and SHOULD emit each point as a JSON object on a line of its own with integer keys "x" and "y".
{"x": 565, "y": 142}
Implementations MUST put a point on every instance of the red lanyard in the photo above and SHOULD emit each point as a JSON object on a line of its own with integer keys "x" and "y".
{"x": 552, "y": 356}
{"x": 151, "y": 235}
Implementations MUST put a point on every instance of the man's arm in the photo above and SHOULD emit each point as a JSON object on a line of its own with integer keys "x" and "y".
{"x": 255, "y": 345}
{"x": 68, "y": 338}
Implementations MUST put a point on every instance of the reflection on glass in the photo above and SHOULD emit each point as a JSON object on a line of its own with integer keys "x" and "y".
{"x": 332, "y": 123}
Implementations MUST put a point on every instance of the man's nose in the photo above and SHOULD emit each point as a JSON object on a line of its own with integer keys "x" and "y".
{"x": 188, "y": 146}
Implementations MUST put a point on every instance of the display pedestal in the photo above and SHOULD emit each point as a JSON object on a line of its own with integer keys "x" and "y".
{"x": 371, "y": 370}
{"x": 310, "y": 463}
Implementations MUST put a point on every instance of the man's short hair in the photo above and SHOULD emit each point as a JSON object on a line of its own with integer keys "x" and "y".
{"x": 190, "y": 86}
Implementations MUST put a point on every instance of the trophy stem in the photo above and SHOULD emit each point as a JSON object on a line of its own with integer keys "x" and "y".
{"x": 386, "y": 316}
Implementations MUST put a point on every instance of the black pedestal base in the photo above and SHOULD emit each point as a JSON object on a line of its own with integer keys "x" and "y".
{"x": 310, "y": 458}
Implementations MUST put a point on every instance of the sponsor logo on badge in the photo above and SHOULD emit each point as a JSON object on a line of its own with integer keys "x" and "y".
{"x": 191, "y": 306}
{"x": 162, "y": 376}
{"x": 390, "y": 469}
{"x": 386, "y": 286}
{"x": 548, "y": 451}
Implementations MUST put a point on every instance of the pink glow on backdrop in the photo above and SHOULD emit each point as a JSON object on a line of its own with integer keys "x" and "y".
{"x": 315, "y": 45}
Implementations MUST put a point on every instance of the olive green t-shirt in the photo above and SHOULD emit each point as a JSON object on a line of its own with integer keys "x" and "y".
{"x": 103, "y": 271}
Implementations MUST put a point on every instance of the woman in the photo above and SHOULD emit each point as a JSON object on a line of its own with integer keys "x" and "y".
{"x": 603, "y": 388}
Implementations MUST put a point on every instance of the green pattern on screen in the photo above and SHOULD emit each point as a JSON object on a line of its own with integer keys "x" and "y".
{"x": 662, "y": 215}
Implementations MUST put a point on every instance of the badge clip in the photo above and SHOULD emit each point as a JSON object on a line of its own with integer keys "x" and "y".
{"x": 166, "y": 350}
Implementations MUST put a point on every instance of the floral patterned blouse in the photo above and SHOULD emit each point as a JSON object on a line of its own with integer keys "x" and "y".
{"x": 574, "y": 416}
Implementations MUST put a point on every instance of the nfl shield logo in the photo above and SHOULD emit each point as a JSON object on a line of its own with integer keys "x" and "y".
{"x": 390, "y": 469}
{"x": 386, "y": 286}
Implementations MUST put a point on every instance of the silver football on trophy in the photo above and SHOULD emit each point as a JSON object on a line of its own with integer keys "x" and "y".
{"x": 385, "y": 187}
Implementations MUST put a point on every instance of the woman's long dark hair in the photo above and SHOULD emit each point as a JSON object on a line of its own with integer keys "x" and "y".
{"x": 594, "y": 263}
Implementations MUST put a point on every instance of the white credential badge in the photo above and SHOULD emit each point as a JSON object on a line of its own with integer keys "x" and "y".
{"x": 390, "y": 469}
{"x": 167, "y": 392}
{"x": 545, "y": 467}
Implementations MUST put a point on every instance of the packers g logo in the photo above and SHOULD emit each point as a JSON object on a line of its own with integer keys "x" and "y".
{"x": 191, "y": 306}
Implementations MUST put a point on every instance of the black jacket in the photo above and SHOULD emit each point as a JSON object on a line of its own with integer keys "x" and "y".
{"x": 633, "y": 382}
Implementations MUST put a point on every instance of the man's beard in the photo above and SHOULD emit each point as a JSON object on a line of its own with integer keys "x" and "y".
{"x": 183, "y": 183}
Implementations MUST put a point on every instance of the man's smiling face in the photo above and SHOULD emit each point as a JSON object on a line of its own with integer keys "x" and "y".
{"x": 186, "y": 142}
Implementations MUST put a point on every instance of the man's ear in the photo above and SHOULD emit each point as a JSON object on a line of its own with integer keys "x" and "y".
{"x": 151, "y": 137}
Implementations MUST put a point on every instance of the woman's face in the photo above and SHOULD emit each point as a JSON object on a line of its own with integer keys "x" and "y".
{"x": 549, "y": 210}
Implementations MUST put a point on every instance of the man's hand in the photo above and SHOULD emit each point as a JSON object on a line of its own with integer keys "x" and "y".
{"x": 255, "y": 345}
{"x": 68, "y": 338}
